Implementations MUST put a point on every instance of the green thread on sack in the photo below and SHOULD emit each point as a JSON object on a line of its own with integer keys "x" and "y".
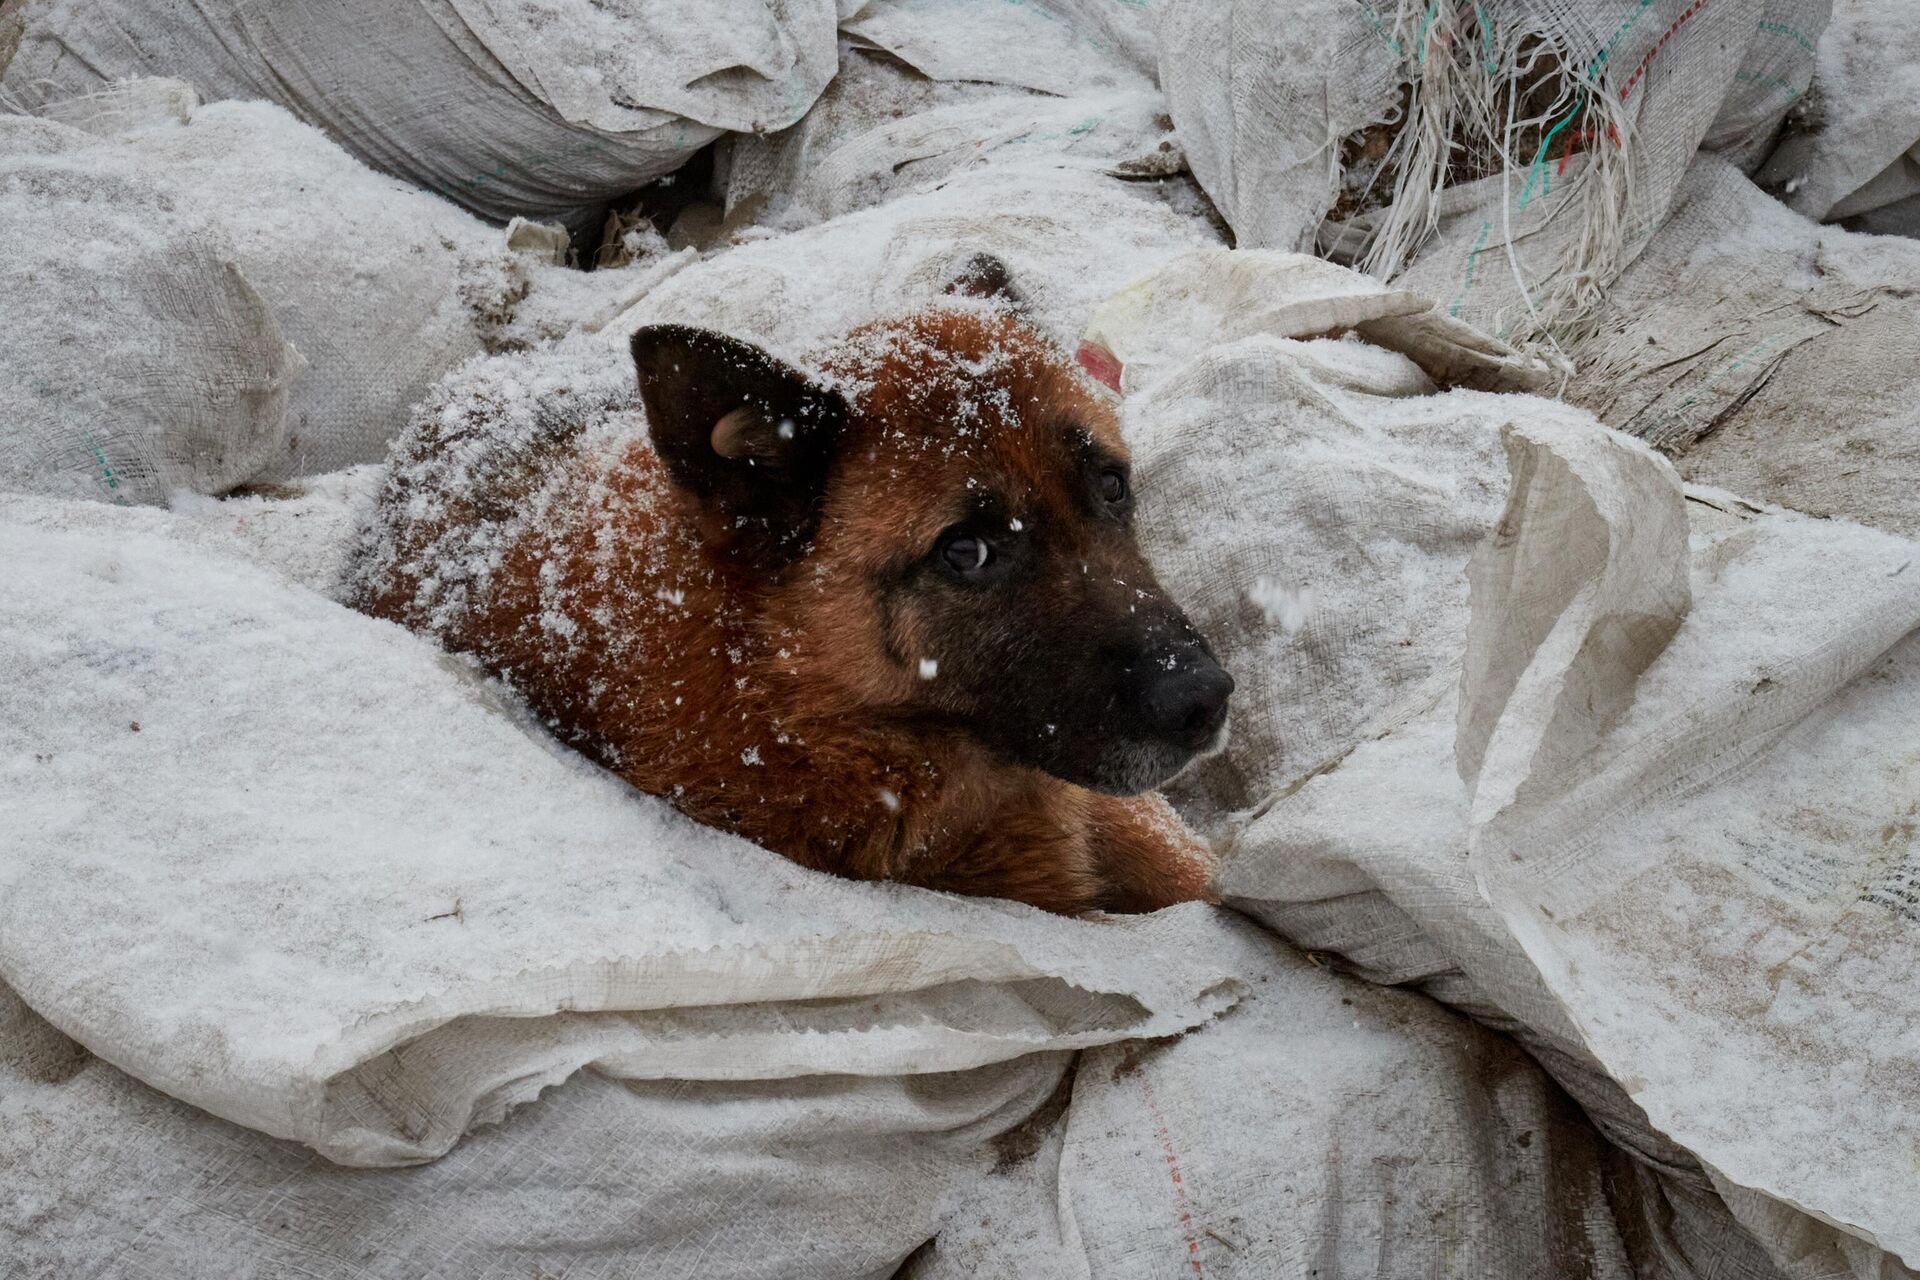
{"x": 1537, "y": 172}
{"x": 1772, "y": 82}
{"x": 1426, "y": 24}
{"x": 1473, "y": 262}
{"x": 1782, "y": 29}
{"x": 1379, "y": 29}
{"x": 106, "y": 468}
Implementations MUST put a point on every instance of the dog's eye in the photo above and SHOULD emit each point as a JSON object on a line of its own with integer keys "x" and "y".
{"x": 965, "y": 553}
{"x": 1113, "y": 485}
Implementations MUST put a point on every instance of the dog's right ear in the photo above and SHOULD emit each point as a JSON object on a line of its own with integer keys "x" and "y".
{"x": 749, "y": 435}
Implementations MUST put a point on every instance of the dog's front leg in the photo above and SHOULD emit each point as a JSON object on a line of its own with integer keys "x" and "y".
{"x": 1145, "y": 854}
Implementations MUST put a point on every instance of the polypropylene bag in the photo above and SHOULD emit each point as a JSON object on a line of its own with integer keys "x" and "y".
{"x": 281, "y": 879}
{"x": 1317, "y": 511}
{"x": 1068, "y": 237}
{"x": 1851, "y": 153}
{"x": 509, "y": 107}
{"x": 1775, "y": 356}
{"x": 1323, "y": 1127}
{"x": 1691, "y": 806}
{"x": 380, "y": 287}
{"x": 601, "y": 1178}
{"x": 1508, "y": 159}
{"x": 139, "y": 358}
{"x": 884, "y": 129}
{"x": 1064, "y": 47}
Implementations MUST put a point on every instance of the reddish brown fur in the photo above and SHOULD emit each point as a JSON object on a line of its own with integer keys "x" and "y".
{"x": 771, "y": 705}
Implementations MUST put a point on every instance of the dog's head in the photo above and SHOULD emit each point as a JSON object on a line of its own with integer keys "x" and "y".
{"x": 944, "y": 529}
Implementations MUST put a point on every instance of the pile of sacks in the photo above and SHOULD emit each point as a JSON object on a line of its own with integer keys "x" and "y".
{"x": 1568, "y": 822}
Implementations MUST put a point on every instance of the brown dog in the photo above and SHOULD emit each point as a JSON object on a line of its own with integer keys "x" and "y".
{"x": 891, "y": 622}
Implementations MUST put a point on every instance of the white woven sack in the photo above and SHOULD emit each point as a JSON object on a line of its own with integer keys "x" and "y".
{"x": 382, "y": 288}
{"x": 505, "y": 106}
{"x": 1315, "y": 506}
{"x": 600, "y": 1179}
{"x": 1068, "y": 237}
{"x": 1577, "y": 185}
{"x": 371, "y": 949}
{"x": 884, "y": 129}
{"x": 1324, "y": 1127}
{"x": 1063, "y": 47}
{"x": 1775, "y": 356}
{"x": 1852, "y": 153}
{"x": 1692, "y": 809}
{"x": 139, "y": 358}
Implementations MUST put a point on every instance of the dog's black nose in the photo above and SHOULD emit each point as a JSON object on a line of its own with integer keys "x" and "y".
{"x": 1188, "y": 705}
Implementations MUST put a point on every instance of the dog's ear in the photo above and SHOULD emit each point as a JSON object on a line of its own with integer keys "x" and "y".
{"x": 985, "y": 276}
{"x": 749, "y": 435}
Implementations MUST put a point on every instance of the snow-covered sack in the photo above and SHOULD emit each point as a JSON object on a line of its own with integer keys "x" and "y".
{"x": 1852, "y": 151}
{"x": 545, "y": 110}
{"x": 1779, "y": 358}
{"x": 138, "y": 357}
{"x": 1659, "y": 721}
{"x": 379, "y": 288}
{"x": 1069, "y": 237}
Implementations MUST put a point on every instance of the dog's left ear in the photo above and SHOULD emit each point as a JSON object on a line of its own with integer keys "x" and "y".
{"x": 985, "y": 276}
{"x": 749, "y": 435}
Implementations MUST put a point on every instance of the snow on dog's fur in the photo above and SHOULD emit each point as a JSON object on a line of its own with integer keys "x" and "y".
{"x": 889, "y": 621}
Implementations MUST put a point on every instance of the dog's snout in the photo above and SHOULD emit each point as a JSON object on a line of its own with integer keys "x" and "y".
{"x": 1188, "y": 704}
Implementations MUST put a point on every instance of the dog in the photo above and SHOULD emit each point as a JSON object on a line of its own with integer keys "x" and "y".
{"x": 888, "y": 620}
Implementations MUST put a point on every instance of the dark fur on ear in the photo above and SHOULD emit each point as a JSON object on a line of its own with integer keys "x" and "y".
{"x": 985, "y": 276}
{"x": 749, "y": 435}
